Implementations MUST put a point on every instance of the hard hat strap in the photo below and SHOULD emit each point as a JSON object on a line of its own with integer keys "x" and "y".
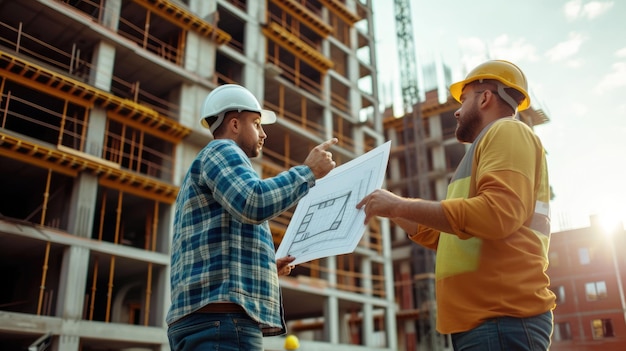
{"x": 218, "y": 122}
{"x": 220, "y": 118}
{"x": 507, "y": 98}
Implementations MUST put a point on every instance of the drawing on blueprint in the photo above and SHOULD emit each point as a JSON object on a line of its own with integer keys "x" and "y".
{"x": 326, "y": 221}
{"x": 328, "y": 213}
{"x": 321, "y": 222}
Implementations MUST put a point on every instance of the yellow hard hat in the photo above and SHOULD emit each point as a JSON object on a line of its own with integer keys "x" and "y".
{"x": 503, "y": 71}
{"x": 291, "y": 342}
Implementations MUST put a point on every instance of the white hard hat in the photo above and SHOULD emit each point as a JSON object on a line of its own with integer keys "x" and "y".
{"x": 230, "y": 97}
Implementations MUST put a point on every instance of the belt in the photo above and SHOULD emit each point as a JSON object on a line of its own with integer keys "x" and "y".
{"x": 221, "y": 307}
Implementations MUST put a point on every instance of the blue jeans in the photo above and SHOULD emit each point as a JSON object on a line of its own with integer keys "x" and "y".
{"x": 507, "y": 334}
{"x": 215, "y": 331}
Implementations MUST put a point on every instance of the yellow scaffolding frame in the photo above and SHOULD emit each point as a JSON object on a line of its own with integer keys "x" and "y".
{"x": 70, "y": 164}
{"x": 185, "y": 19}
{"x": 342, "y": 11}
{"x": 302, "y": 14}
{"x": 82, "y": 94}
{"x": 298, "y": 47}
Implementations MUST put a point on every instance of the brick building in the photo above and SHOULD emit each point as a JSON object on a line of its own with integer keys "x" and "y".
{"x": 587, "y": 271}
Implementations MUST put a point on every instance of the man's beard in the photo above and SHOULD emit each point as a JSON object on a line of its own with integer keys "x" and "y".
{"x": 252, "y": 150}
{"x": 468, "y": 125}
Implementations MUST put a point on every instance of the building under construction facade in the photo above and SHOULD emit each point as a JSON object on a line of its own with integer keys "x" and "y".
{"x": 99, "y": 120}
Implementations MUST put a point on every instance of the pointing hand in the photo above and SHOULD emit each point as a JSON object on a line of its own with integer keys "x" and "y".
{"x": 320, "y": 160}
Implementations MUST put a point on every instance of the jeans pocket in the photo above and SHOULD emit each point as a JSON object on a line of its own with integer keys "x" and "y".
{"x": 507, "y": 334}
{"x": 191, "y": 334}
{"x": 249, "y": 332}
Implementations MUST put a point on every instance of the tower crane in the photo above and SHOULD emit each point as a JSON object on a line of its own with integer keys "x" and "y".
{"x": 414, "y": 128}
{"x": 416, "y": 163}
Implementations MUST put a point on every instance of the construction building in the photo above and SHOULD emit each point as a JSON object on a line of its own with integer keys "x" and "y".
{"x": 587, "y": 272}
{"x": 99, "y": 120}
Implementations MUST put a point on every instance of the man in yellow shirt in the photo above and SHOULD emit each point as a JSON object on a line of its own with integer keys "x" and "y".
{"x": 492, "y": 231}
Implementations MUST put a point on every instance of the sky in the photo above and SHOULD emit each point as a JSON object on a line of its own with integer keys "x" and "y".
{"x": 573, "y": 53}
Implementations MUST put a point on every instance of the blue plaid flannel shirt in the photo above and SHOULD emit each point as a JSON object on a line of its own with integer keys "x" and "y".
{"x": 222, "y": 248}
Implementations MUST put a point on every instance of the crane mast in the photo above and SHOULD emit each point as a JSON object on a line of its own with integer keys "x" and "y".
{"x": 406, "y": 55}
{"x": 416, "y": 158}
{"x": 416, "y": 165}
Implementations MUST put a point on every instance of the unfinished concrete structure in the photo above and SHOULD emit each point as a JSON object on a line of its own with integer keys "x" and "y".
{"x": 98, "y": 123}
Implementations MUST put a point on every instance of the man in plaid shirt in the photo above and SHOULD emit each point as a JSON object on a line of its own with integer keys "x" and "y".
{"x": 224, "y": 275}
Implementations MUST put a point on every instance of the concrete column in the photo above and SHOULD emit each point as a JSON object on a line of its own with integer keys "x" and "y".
{"x": 165, "y": 231}
{"x": 352, "y": 73}
{"x": 328, "y": 122}
{"x": 85, "y": 190}
{"x": 331, "y": 313}
{"x": 72, "y": 283}
{"x": 367, "y": 328}
{"x": 161, "y": 291}
{"x": 82, "y": 205}
{"x": 67, "y": 343}
{"x": 434, "y": 126}
{"x": 111, "y": 15}
{"x": 328, "y": 117}
{"x": 95, "y": 131}
{"x": 204, "y": 9}
{"x": 331, "y": 316}
{"x": 200, "y": 52}
{"x": 390, "y": 315}
{"x": 199, "y": 55}
{"x": 190, "y": 100}
{"x": 438, "y": 155}
{"x": 441, "y": 188}
{"x": 102, "y": 62}
{"x": 407, "y": 302}
{"x": 373, "y": 62}
{"x": 254, "y": 50}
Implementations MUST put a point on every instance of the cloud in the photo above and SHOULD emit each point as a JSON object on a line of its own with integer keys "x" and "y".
{"x": 515, "y": 50}
{"x": 575, "y": 63}
{"x": 572, "y": 9}
{"x": 613, "y": 80}
{"x": 621, "y": 53}
{"x": 566, "y": 49}
{"x": 502, "y": 47}
{"x": 575, "y": 9}
{"x": 578, "y": 109}
{"x": 472, "y": 44}
{"x": 473, "y": 52}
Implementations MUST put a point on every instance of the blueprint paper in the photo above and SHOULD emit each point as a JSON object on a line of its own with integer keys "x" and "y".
{"x": 326, "y": 221}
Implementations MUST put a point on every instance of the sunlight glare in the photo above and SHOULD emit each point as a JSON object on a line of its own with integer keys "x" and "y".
{"x": 611, "y": 221}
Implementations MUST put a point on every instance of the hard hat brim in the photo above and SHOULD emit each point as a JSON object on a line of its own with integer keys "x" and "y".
{"x": 456, "y": 89}
{"x": 268, "y": 117}
{"x": 204, "y": 123}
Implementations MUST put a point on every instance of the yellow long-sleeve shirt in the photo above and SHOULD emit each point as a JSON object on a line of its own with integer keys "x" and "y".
{"x": 494, "y": 263}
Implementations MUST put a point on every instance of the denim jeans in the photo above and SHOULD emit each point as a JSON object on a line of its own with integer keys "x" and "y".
{"x": 215, "y": 331}
{"x": 507, "y": 334}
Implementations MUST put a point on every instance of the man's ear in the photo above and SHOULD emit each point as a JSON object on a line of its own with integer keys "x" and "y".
{"x": 487, "y": 97}
{"x": 233, "y": 125}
